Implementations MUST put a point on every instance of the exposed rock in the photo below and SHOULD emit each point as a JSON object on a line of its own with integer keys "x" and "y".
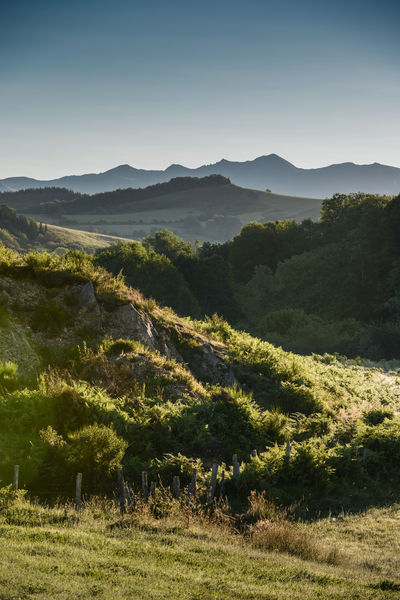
{"x": 88, "y": 306}
{"x": 135, "y": 324}
{"x": 130, "y": 322}
{"x": 16, "y": 346}
{"x": 210, "y": 363}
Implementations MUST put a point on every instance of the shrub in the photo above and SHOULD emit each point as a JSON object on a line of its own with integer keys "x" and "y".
{"x": 112, "y": 348}
{"x": 170, "y": 465}
{"x": 48, "y": 315}
{"x": 96, "y": 451}
{"x": 376, "y": 416}
{"x": 8, "y": 376}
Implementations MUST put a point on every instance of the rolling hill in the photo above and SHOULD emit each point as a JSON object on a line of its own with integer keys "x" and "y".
{"x": 272, "y": 172}
{"x": 208, "y": 209}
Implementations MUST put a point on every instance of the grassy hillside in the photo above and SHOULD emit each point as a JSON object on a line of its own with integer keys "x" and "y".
{"x": 178, "y": 393}
{"x": 117, "y": 381}
{"x": 23, "y": 234}
{"x": 207, "y": 209}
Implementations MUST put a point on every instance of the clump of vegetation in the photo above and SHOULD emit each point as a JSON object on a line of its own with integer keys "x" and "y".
{"x": 8, "y": 376}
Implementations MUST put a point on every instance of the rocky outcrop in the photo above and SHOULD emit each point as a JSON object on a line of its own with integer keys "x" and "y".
{"x": 88, "y": 306}
{"x": 130, "y": 322}
{"x": 206, "y": 361}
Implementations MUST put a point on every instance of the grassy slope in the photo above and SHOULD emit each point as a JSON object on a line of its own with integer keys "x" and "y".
{"x": 78, "y": 239}
{"x": 59, "y": 239}
{"x": 45, "y": 553}
{"x": 52, "y": 553}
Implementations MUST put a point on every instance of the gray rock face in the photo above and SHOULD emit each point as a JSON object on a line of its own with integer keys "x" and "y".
{"x": 88, "y": 306}
{"x": 208, "y": 362}
{"x": 136, "y": 324}
{"x": 87, "y": 296}
{"x": 212, "y": 365}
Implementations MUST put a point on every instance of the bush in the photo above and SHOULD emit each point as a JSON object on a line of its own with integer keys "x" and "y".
{"x": 95, "y": 451}
{"x": 112, "y": 348}
{"x": 8, "y": 376}
{"x": 376, "y": 416}
{"x": 48, "y": 315}
{"x": 170, "y": 465}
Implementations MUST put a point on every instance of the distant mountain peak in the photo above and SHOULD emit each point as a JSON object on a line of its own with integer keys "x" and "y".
{"x": 174, "y": 166}
{"x": 122, "y": 170}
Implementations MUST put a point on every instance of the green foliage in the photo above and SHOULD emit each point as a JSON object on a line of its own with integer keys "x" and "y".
{"x": 96, "y": 451}
{"x": 163, "y": 469}
{"x": 48, "y": 315}
{"x": 115, "y": 347}
{"x": 152, "y": 273}
{"x": 167, "y": 243}
{"x": 376, "y": 416}
{"x": 8, "y": 376}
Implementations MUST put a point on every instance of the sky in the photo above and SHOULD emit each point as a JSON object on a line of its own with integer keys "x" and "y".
{"x": 85, "y": 86}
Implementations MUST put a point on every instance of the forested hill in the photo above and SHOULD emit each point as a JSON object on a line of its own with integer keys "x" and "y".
{"x": 332, "y": 285}
{"x": 207, "y": 209}
{"x": 47, "y": 200}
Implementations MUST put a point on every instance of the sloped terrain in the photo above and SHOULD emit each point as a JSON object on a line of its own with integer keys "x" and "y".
{"x": 23, "y": 234}
{"x": 175, "y": 392}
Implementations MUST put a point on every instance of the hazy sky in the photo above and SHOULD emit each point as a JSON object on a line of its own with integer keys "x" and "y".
{"x": 88, "y": 85}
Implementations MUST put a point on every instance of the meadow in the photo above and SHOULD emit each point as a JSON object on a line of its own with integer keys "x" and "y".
{"x": 58, "y": 552}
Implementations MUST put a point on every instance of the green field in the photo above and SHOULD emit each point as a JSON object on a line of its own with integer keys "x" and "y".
{"x": 57, "y": 553}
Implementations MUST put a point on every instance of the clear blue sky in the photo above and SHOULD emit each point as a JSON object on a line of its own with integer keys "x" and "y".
{"x": 87, "y": 85}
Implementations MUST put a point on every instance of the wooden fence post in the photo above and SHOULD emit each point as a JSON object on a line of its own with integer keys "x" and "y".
{"x": 221, "y": 487}
{"x": 236, "y": 466}
{"x": 214, "y": 473}
{"x": 288, "y": 449}
{"x": 145, "y": 487}
{"x": 16, "y": 477}
{"x": 176, "y": 486}
{"x": 153, "y": 489}
{"x": 128, "y": 495}
{"x": 122, "y": 489}
{"x": 78, "y": 490}
{"x": 364, "y": 456}
{"x": 192, "y": 488}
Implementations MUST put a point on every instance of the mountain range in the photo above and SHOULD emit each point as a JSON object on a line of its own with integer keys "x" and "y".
{"x": 265, "y": 172}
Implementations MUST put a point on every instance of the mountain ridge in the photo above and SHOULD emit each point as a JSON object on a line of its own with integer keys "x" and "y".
{"x": 267, "y": 171}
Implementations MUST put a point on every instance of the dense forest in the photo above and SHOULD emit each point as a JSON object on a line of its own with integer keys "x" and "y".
{"x": 326, "y": 286}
